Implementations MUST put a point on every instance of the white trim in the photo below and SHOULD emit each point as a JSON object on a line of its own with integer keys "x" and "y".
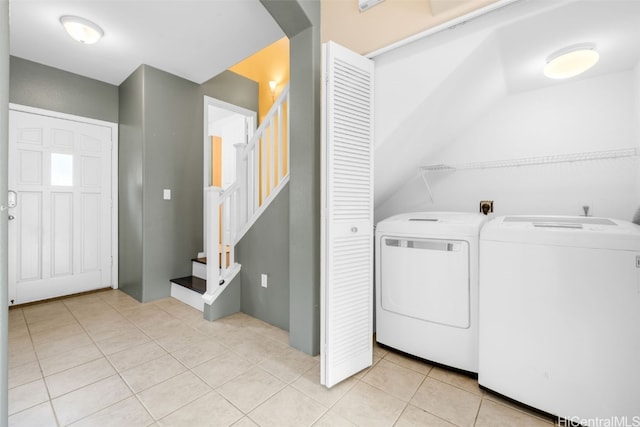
{"x": 206, "y": 176}
{"x": 114, "y": 208}
{"x": 444, "y": 26}
{"x": 232, "y": 272}
{"x": 114, "y": 171}
{"x": 65, "y": 116}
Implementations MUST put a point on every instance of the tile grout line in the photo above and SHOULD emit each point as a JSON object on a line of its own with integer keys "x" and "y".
{"x": 104, "y": 355}
{"x": 50, "y": 401}
{"x": 40, "y": 379}
{"x": 134, "y": 394}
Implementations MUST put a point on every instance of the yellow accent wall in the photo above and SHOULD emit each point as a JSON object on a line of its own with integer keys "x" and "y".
{"x": 271, "y": 63}
{"x": 216, "y": 161}
{"x": 387, "y": 22}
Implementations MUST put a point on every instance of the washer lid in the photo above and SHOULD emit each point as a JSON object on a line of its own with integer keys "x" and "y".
{"x": 575, "y": 231}
{"x": 434, "y": 223}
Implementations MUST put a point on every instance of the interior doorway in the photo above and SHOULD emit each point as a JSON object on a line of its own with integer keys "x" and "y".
{"x": 225, "y": 126}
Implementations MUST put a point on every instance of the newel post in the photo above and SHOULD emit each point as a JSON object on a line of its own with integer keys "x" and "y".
{"x": 213, "y": 238}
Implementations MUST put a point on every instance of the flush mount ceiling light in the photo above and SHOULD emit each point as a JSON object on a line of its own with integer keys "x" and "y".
{"x": 81, "y": 30}
{"x": 571, "y": 61}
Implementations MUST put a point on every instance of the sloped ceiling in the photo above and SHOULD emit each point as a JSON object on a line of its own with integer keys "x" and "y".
{"x": 192, "y": 39}
{"x": 456, "y": 75}
{"x": 458, "y": 82}
{"x": 389, "y": 21}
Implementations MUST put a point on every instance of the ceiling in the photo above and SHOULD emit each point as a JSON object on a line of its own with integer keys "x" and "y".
{"x": 543, "y": 27}
{"x": 192, "y": 39}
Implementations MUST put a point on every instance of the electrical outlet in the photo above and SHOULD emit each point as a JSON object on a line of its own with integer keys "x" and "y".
{"x": 486, "y": 206}
{"x": 263, "y": 280}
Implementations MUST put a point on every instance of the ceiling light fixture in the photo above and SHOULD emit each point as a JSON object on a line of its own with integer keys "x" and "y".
{"x": 81, "y": 30}
{"x": 571, "y": 61}
{"x": 366, "y": 4}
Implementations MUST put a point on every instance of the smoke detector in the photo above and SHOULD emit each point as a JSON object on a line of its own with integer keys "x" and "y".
{"x": 366, "y": 4}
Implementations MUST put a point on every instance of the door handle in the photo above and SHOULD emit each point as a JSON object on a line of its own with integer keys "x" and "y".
{"x": 12, "y": 199}
{"x": 11, "y": 217}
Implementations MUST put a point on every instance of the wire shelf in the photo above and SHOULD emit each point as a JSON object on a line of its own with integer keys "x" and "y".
{"x": 535, "y": 161}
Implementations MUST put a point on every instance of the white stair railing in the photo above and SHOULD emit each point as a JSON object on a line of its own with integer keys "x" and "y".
{"x": 267, "y": 154}
{"x": 222, "y": 228}
{"x": 262, "y": 169}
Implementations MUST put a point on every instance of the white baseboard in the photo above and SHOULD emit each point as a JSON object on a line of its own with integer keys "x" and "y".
{"x": 232, "y": 272}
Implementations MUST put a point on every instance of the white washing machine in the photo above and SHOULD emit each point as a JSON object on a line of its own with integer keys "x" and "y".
{"x": 426, "y": 286}
{"x": 560, "y": 315}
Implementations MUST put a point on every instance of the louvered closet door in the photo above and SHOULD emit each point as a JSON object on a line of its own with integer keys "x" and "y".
{"x": 347, "y": 225}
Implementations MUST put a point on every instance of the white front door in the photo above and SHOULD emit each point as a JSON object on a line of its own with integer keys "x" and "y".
{"x": 60, "y": 190}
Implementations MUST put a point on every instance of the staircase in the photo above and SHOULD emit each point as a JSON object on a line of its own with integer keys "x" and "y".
{"x": 262, "y": 170}
{"x": 190, "y": 289}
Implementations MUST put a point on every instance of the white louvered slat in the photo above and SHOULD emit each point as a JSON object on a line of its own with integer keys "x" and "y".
{"x": 347, "y": 226}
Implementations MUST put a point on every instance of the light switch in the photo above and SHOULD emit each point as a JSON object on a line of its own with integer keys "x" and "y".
{"x": 166, "y": 194}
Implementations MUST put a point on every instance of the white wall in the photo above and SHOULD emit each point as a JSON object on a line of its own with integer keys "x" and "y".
{"x": 425, "y": 95}
{"x": 231, "y": 130}
{"x": 232, "y": 133}
{"x": 637, "y": 135}
{"x": 595, "y": 114}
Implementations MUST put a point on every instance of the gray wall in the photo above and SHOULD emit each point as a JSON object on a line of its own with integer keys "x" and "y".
{"x": 130, "y": 163}
{"x": 264, "y": 249}
{"x": 40, "y": 86}
{"x": 4, "y": 303}
{"x": 161, "y": 147}
{"x": 301, "y": 22}
{"x": 171, "y": 229}
{"x": 232, "y": 88}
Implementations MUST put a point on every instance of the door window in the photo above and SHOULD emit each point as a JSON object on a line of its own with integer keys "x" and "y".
{"x": 62, "y": 169}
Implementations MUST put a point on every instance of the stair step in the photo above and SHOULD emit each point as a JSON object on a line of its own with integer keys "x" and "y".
{"x": 199, "y": 267}
{"x": 191, "y": 282}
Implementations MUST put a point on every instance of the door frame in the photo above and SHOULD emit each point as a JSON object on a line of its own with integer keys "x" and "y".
{"x": 206, "y": 176}
{"x": 114, "y": 171}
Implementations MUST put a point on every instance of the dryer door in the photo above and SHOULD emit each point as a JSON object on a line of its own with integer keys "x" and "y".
{"x": 427, "y": 279}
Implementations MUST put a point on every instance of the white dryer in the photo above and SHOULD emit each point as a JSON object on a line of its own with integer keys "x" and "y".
{"x": 560, "y": 315}
{"x": 426, "y": 286}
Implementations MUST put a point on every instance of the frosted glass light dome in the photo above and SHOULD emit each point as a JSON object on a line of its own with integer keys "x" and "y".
{"x": 81, "y": 30}
{"x": 571, "y": 61}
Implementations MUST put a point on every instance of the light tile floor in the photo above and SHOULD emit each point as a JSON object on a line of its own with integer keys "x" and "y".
{"x": 104, "y": 359}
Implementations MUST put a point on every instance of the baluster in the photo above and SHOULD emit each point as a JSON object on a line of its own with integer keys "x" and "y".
{"x": 264, "y": 168}
{"x": 280, "y": 173}
{"x": 256, "y": 177}
{"x": 273, "y": 170}
{"x": 233, "y": 216}
{"x": 242, "y": 180}
{"x": 213, "y": 238}
{"x": 288, "y": 138}
{"x": 225, "y": 238}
